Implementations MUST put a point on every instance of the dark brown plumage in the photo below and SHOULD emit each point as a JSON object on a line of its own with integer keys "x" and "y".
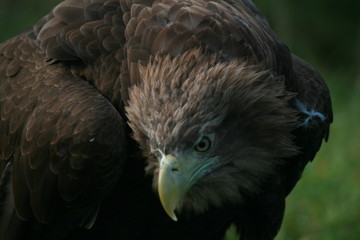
{"x": 223, "y": 120}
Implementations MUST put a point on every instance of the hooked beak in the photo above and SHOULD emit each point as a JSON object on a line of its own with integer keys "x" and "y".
{"x": 177, "y": 176}
{"x": 170, "y": 185}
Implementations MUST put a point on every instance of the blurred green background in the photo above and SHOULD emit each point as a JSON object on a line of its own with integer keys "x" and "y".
{"x": 325, "y": 205}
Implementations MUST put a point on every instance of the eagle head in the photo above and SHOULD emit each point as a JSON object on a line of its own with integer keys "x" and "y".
{"x": 213, "y": 130}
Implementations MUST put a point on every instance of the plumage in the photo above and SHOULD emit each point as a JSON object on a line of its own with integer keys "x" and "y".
{"x": 111, "y": 109}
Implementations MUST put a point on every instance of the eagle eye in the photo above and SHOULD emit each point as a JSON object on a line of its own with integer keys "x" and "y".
{"x": 203, "y": 145}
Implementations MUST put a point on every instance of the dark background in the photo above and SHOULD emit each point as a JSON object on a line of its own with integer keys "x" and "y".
{"x": 326, "y": 203}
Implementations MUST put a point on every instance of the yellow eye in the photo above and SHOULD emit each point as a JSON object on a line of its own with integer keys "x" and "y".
{"x": 203, "y": 145}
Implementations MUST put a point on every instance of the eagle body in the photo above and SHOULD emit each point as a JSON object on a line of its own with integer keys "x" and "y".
{"x": 140, "y": 119}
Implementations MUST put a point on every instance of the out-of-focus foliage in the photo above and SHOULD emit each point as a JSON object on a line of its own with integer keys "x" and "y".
{"x": 325, "y": 205}
{"x": 325, "y": 32}
{"x": 18, "y": 15}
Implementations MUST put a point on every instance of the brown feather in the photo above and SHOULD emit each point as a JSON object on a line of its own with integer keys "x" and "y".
{"x": 171, "y": 69}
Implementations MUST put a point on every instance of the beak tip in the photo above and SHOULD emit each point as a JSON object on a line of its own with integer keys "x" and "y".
{"x": 173, "y": 217}
{"x": 171, "y": 213}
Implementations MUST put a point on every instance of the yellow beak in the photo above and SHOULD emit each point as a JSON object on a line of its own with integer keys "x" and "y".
{"x": 177, "y": 176}
{"x": 170, "y": 185}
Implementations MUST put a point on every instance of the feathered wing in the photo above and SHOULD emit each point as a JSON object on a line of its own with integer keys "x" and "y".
{"x": 313, "y": 103}
{"x": 313, "y": 97}
{"x": 62, "y": 141}
{"x": 89, "y": 37}
{"x": 64, "y": 84}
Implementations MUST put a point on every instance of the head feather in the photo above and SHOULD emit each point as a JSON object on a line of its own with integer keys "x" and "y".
{"x": 181, "y": 98}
